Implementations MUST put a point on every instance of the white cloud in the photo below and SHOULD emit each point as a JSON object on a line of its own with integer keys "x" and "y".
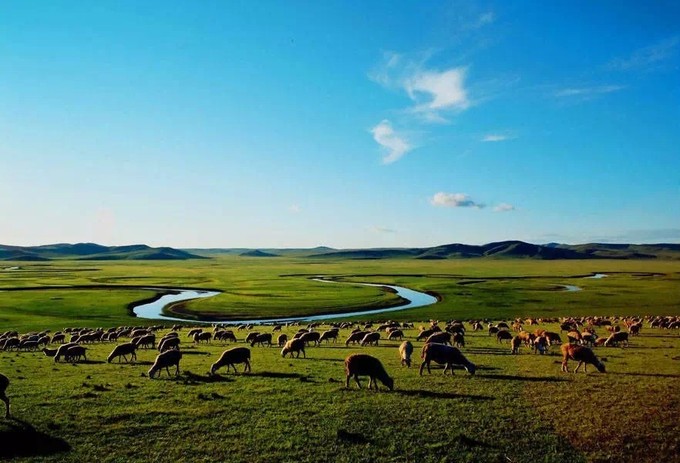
{"x": 442, "y": 91}
{"x": 484, "y": 19}
{"x": 442, "y": 199}
{"x": 395, "y": 144}
{"x": 495, "y": 137}
{"x": 504, "y": 207}
{"x": 588, "y": 92}
{"x": 647, "y": 56}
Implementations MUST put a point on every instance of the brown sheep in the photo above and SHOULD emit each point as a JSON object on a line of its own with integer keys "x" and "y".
{"x": 148, "y": 341}
{"x": 4, "y": 383}
{"x": 311, "y": 337}
{"x": 553, "y": 338}
{"x": 583, "y": 355}
{"x": 169, "y": 343}
{"x": 204, "y": 336}
{"x": 282, "y": 340}
{"x": 252, "y": 335}
{"x": 166, "y": 360}
{"x": 49, "y": 352}
{"x": 363, "y": 364}
{"x": 424, "y": 334}
{"x": 74, "y": 353}
{"x": 541, "y": 345}
{"x": 371, "y": 339}
{"x": 396, "y": 334}
{"x": 459, "y": 340}
{"x": 294, "y": 346}
{"x": 262, "y": 339}
{"x": 447, "y": 355}
{"x": 405, "y": 351}
{"x": 123, "y": 350}
{"x": 515, "y": 343}
{"x": 61, "y": 351}
{"x": 231, "y": 357}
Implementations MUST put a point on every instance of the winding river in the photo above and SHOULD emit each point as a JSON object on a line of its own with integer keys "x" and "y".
{"x": 154, "y": 310}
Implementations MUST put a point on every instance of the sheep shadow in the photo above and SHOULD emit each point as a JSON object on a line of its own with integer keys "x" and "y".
{"x": 88, "y": 362}
{"x": 440, "y": 395}
{"x": 538, "y": 379}
{"x": 23, "y": 440}
{"x": 206, "y": 379}
{"x": 194, "y": 352}
{"x": 280, "y": 375}
{"x": 325, "y": 359}
{"x": 653, "y": 375}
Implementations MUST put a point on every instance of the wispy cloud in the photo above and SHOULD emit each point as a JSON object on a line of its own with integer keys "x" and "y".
{"x": 395, "y": 144}
{"x": 442, "y": 199}
{"x": 496, "y": 137}
{"x": 504, "y": 207}
{"x": 647, "y": 57}
{"x": 294, "y": 209}
{"x": 383, "y": 230}
{"x": 434, "y": 93}
{"x": 587, "y": 92}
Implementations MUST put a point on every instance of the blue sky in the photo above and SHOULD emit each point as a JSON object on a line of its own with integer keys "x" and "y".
{"x": 365, "y": 124}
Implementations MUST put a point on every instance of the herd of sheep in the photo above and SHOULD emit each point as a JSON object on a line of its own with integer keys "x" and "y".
{"x": 442, "y": 343}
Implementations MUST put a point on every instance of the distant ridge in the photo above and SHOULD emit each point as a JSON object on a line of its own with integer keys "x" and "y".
{"x": 92, "y": 251}
{"x": 257, "y": 253}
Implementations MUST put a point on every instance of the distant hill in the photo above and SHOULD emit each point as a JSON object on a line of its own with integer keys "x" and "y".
{"x": 257, "y": 253}
{"x": 92, "y": 251}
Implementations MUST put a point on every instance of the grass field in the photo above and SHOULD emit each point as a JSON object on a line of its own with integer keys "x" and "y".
{"x": 515, "y": 409}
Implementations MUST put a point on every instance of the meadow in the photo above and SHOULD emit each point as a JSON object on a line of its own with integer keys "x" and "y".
{"x": 516, "y": 408}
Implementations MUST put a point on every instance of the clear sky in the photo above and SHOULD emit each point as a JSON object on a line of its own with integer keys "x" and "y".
{"x": 346, "y": 124}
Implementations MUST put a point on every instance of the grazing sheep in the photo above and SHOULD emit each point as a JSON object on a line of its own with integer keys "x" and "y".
{"x": 166, "y": 360}
{"x": 615, "y": 338}
{"x": 583, "y": 355}
{"x": 600, "y": 341}
{"x": 312, "y": 336}
{"x": 371, "y": 339}
{"x": 282, "y": 340}
{"x": 553, "y": 338}
{"x": 439, "y": 338}
{"x": 363, "y": 364}
{"x": 459, "y": 340}
{"x": 168, "y": 343}
{"x": 493, "y": 330}
{"x": 74, "y": 353}
{"x": 224, "y": 335}
{"x": 262, "y": 339}
{"x": 424, "y": 334}
{"x": 61, "y": 351}
{"x": 148, "y": 341}
{"x": 395, "y": 334}
{"x": 574, "y": 337}
{"x": 49, "y": 352}
{"x": 446, "y": 355}
{"x": 503, "y": 335}
{"x": 204, "y": 336}
{"x": 4, "y": 383}
{"x": 540, "y": 345}
{"x": 503, "y": 325}
{"x": 405, "y": 351}
{"x": 355, "y": 337}
{"x": 58, "y": 338}
{"x": 635, "y": 328}
{"x": 515, "y": 342}
{"x": 251, "y": 336}
{"x": 231, "y": 357}
{"x": 192, "y": 332}
{"x": 328, "y": 335}
{"x": 123, "y": 350}
{"x": 294, "y": 345}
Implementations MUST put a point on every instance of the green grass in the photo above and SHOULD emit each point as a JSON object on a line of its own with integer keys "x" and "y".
{"x": 517, "y": 408}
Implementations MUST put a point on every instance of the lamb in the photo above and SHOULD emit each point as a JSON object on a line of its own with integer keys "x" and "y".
{"x": 446, "y": 355}
{"x": 583, "y": 355}
{"x": 282, "y": 340}
{"x": 166, "y": 360}
{"x": 363, "y": 364}
{"x": 355, "y": 337}
{"x": 439, "y": 338}
{"x": 4, "y": 383}
{"x": 123, "y": 350}
{"x": 231, "y": 357}
{"x": 405, "y": 351}
{"x": 328, "y": 335}
{"x": 262, "y": 339}
{"x": 371, "y": 338}
{"x": 294, "y": 345}
{"x": 616, "y": 338}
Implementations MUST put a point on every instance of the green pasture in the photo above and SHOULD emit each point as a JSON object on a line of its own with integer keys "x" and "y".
{"x": 280, "y": 287}
{"x": 516, "y": 408}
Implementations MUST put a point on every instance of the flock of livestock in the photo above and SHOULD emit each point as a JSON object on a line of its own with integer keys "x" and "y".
{"x": 441, "y": 344}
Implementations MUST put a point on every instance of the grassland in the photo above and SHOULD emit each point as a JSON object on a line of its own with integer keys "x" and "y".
{"x": 517, "y": 408}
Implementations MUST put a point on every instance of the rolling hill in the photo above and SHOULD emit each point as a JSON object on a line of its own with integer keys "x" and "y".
{"x": 91, "y": 251}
